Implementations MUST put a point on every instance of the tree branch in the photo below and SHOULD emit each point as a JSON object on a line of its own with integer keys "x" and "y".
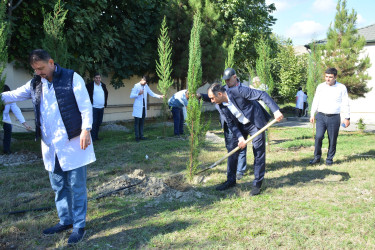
{"x": 15, "y": 6}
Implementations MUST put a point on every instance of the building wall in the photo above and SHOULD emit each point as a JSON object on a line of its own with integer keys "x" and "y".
{"x": 365, "y": 107}
{"x": 119, "y": 106}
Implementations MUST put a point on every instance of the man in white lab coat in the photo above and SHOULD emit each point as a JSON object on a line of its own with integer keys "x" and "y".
{"x": 63, "y": 118}
{"x": 139, "y": 93}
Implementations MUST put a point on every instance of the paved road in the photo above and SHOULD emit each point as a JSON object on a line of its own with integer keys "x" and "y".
{"x": 303, "y": 122}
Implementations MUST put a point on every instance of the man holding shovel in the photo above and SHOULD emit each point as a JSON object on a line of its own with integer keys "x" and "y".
{"x": 245, "y": 116}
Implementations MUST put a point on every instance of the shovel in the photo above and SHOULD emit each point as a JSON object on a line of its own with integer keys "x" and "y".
{"x": 238, "y": 148}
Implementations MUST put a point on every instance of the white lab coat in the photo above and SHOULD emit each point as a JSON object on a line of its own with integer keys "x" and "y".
{"x": 54, "y": 136}
{"x": 138, "y": 102}
{"x": 299, "y": 102}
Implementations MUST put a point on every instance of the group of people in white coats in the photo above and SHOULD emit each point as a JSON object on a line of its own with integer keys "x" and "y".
{"x": 64, "y": 118}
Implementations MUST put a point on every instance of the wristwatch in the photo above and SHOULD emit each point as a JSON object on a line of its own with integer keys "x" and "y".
{"x": 88, "y": 129}
{"x": 347, "y": 119}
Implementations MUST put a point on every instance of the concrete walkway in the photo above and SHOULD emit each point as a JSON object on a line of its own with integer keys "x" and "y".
{"x": 304, "y": 122}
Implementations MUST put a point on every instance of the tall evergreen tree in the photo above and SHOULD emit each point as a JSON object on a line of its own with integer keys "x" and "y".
{"x": 164, "y": 67}
{"x": 54, "y": 38}
{"x": 343, "y": 49}
{"x": 263, "y": 64}
{"x": 229, "y": 62}
{"x": 3, "y": 48}
{"x": 195, "y": 121}
{"x": 314, "y": 72}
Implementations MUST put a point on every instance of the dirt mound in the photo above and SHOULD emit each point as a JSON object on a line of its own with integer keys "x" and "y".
{"x": 211, "y": 137}
{"x": 169, "y": 189}
{"x": 114, "y": 127}
{"x": 17, "y": 158}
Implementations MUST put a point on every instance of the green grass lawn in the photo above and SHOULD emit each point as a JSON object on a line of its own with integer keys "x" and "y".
{"x": 301, "y": 206}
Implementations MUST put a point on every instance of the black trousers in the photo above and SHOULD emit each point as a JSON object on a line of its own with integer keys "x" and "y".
{"x": 7, "y": 137}
{"x": 331, "y": 124}
{"x": 138, "y": 125}
{"x": 259, "y": 152}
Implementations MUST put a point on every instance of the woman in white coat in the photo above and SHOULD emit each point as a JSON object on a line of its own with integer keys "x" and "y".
{"x": 139, "y": 93}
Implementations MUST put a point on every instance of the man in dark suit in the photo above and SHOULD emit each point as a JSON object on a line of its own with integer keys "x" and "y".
{"x": 245, "y": 116}
{"x": 232, "y": 80}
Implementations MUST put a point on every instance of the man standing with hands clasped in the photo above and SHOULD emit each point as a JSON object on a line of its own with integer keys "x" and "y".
{"x": 63, "y": 118}
{"x": 331, "y": 99}
{"x": 245, "y": 116}
{"x": 98, "y": 96}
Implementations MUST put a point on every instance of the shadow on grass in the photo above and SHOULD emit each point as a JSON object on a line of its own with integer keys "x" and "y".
{"x": 305, "y": 176}
{"x": 122, "y": 220}
{"x": 364, "y": 155}
{"x": 137, "y": 237}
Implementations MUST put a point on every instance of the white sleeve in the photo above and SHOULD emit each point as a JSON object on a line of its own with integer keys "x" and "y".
{"x": 83, "y": 100}
{"x": 134, "y": 93}
{"x": 149, "y": 91}
{"x": 17, "y": 112}
{"x": 314, "y": 106}
{"x": 20, "y": 94}
{"x": 345, "y": 103}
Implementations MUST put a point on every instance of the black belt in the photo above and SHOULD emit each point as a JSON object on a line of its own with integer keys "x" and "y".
{"x": 327, "y": 114}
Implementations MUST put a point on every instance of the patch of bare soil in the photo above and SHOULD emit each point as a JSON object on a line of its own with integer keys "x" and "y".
{"x": 18, "y": 158}
{"x": 173, "y": 188}
{"x": 211, "y": 137}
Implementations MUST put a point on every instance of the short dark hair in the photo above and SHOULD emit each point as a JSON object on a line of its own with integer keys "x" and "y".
{"x": 216, "y": 88}
{"x": 96, "y": 74}
{"x": 331, "y": 71}
{"x": 6, "y": 88}
{"x": 146, "y": 78}
{"x": 300, "y": 88}
{"x": 38, "y": 55}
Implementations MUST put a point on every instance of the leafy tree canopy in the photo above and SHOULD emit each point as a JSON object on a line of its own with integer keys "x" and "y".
{"x": 120, "y": 37}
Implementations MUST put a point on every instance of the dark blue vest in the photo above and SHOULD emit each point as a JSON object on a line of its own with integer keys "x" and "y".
{"x": 63, "y": 86}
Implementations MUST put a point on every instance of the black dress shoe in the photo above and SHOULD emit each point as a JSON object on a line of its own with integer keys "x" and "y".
{"x": 226, "y": 185}
{"x": 314, "y": 161}
{"x": 329, "y": 163}
{"x": 255, "y": 191}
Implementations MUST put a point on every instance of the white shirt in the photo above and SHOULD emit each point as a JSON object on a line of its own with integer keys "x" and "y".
{"x": 300, "y": 97}
{"x": 16, "y": 111}
{"x": 98, "y": 96}
{"x": 331, "y": 100}
{"x": 54, "y": 136}
{"x": 240, "y": 117}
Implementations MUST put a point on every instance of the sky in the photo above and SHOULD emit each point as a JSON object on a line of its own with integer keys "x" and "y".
{"x": 307, "y": 20}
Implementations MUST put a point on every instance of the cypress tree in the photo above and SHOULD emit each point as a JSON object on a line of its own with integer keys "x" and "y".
{"x": 263, "y": 64}
{"x": 3, "y": 48}
{"x": 195, "y": 121}
{"x": 314, "y": 72}
{"x": 164, "y": 68}
{"x": 342, "y": 52}
{"x": 314, "y": 75}
{"x": 54, "y": 39}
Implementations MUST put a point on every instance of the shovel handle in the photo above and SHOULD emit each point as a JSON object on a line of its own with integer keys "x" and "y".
{"x": 238, "y": 148}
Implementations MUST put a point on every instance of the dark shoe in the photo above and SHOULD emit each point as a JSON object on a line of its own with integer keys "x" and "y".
{"x": 329, "y": 163}
{"x": 76, "y": 236}
{"x": 58, "y": 228}
{"x": 137, "y": 139}
{"x": 7, "y": 152}
{"x": 226, "y": 185}
{"x": 314, "y": 161}
{"x": 239, "y": 176}
{"x": 255, "y": 191}
{"x": 143, "y": 138}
